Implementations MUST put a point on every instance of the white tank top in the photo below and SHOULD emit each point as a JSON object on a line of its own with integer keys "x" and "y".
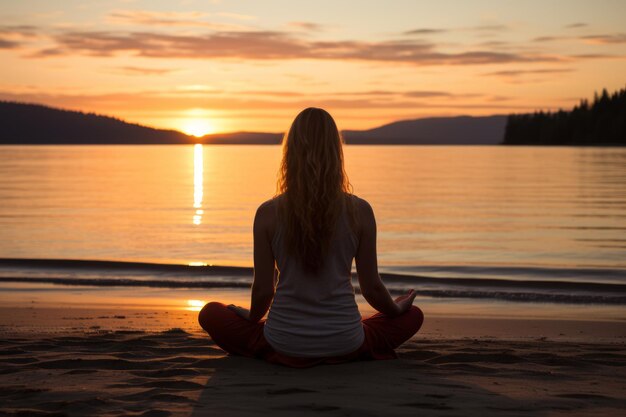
{"x": 315, "y": 315}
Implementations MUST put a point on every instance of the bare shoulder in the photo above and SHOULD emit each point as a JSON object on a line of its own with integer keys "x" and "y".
{"x": 366, "y": 223}
{"x": 363, "y": 207}
{"x": 266, "y": 214}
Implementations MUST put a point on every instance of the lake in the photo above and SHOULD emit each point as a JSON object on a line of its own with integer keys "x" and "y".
{"x": 476, "y": 212}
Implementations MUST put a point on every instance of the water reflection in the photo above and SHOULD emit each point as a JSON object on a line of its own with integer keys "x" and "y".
{"x": 195, "y": 305}
{"x": 198, "y": 172}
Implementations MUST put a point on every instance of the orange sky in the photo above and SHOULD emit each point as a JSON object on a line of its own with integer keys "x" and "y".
{"x": 215, "y": 66}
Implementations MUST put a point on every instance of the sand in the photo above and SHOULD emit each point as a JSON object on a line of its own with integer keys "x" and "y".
{"x": 82, "y": 361}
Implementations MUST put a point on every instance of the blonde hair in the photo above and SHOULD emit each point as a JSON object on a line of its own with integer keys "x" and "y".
{"x": 314, "y": 187}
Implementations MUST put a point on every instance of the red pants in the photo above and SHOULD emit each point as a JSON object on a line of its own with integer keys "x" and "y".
{"x": 239, "y": 336}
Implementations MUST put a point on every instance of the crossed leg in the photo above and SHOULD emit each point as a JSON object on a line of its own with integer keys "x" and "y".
{"x": 238, "y": 336}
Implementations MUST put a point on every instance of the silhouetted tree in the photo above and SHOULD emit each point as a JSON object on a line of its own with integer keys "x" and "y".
{"x": 602, "y": 122}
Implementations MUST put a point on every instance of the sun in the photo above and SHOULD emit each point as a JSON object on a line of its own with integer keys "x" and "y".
{"x": 197, "y": 127}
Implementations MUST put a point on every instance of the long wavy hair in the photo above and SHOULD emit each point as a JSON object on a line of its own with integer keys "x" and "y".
{"x": 313, "y": 186}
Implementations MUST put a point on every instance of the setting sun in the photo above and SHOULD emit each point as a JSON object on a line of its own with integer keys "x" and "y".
{"x": 197, "y": 127}
{"x": 195, "y": 305}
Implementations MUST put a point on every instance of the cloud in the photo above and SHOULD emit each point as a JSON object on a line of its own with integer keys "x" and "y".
{"x": 280, "y": 45}
{"x": 487, "y": 28}
{"x": 45, "y": 53}
{"x": 528, "y": 76}
{"x": 8, "y": 44}
{"x": 388, "y": 93}
{"x": 25, "y": 31}
{"x": 13, "y": 36}
{"x": 237, "y": 16}
{"x": 426, "y": 94}
{"x": 496, "y": 44}
{"x": 145, "y": 17}
{"x": 373, "y": 93}
{"x": 549, "y": 38}
{"x": 151, "y": 18}
{"x": 270, "y": 93}
{"x": 424, "y": 31}
{"x": 162, "y": 102}
{"x": 596, "y": 56}
{"x": 605, "y": 39}
{"x": 519, "y": 73}
{"x": 247, "y": 45}
{"x": 576, "y": 25}
{"x": 308, "y": 26}
{"x": 270, "y": 45}
{"x": 480, "y": 29}
{"x": 130, "y": 70}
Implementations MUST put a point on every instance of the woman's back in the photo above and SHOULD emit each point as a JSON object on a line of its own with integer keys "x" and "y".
{"x": 311, "y": 231}
{"x": 315, "y": 315}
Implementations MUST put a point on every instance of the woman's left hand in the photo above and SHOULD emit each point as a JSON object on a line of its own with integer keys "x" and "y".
{"x": 241, "y": 312}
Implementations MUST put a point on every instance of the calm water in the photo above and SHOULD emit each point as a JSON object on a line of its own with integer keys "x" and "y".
{"x": 442, "y": 211}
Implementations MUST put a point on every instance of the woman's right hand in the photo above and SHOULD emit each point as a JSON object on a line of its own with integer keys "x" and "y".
{"x": 405, "y": 301}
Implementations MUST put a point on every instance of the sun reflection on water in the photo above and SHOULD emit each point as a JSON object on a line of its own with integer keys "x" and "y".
{"x": 195, "y": 305}
{"x": 198, "y": 191}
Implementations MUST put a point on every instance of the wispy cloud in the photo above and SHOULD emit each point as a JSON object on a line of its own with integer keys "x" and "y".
{"x": 308, "y": 26}
{"x": 489, "y": 28}
{"x": 426, "y": 94}
{"x": 12, "y": 36}
{"x": 528, "y": 76}
{"x": 271, "y": 45}
{"x": 518, "y": 73}
{"x": 164, "y": 102}
{"x": 365, "y": 93}
{"x": 130, "y": 70}
{"x": 576, "y": 25}
{"x": 281, "y": 45}
{"x": 237, "y": 16}
{"x": 604, "y": 39}
{"x": 152, "y": 18}
{"x": 479, "y": 29}
{"x": 598, "y": 39}
{"x": 424, "y": 31}
{"x": 25, "y": 31}
{"x": 4, "y": 44}
{"x": 550, "y": 38}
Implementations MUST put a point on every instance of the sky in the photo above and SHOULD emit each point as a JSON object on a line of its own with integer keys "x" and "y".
{"x": 223, "y": 66}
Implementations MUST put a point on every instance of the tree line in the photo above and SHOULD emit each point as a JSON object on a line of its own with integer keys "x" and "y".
{"x": 602, "y": 122}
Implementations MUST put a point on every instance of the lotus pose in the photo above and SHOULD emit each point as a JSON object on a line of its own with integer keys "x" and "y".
{"x": 305, "y": 239}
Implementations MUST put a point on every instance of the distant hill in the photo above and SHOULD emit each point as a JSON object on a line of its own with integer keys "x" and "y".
{"x": 23, "y": 123}
{"x": 459, "y": 130}
{"x": 242, "y": 138}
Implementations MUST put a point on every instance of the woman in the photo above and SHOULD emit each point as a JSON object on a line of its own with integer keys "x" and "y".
{"x": 305, "y": 239}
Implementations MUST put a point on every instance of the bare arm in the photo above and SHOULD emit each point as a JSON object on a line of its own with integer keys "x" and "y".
{"x": 263, "y": 284}
{"x": 372, "y": 287}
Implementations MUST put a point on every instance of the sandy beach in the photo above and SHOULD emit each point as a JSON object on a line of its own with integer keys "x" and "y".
{"x": 59, "y": 361}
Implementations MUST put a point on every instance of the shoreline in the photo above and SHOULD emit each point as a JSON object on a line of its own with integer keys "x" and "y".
{"x": 160, "y": 299}
{"x": 600, "y": 286}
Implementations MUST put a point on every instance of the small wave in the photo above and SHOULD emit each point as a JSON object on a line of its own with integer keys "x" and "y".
{"x": 122, "y": 265}
{"x": 111, "y": 274}
{"x": 531, "y": 273}
{"x": 123, "y": 282}
{"x": 527, "y": 296}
